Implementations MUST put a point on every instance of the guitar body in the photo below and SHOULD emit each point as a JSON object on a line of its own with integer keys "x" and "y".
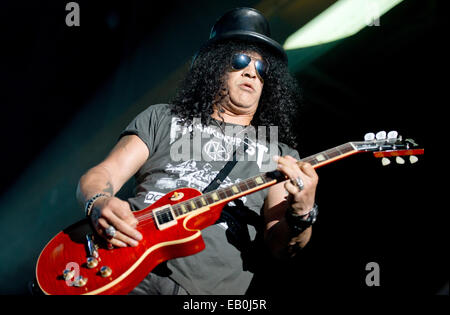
{"x": 129, "y": 265}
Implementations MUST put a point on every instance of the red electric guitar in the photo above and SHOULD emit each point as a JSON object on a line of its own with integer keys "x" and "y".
{"x": 77, "y": 261}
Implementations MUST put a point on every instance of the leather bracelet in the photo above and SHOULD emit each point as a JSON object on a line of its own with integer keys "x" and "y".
{"x": 90, "y": 203}
{"x": 298, "y": 223}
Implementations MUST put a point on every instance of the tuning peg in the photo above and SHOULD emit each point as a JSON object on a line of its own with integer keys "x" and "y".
{"x": 385, "y": 161}
{"x": 392, "y": 136}
{"x": 399, "y": 160}
{"x": 369, "y": 136}
{"x": 413, "y": 159}
{"x": 381, "y": 135}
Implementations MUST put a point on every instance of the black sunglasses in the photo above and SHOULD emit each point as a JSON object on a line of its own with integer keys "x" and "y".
{"x": 240, "y": 61}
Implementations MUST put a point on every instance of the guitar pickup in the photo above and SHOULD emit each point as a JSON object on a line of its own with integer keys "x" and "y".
{"x": 164, "y": 217}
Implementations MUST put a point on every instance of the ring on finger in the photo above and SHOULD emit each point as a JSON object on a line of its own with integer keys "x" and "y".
{"x": 299, "y": 183}
{"x": 110, "y": 231}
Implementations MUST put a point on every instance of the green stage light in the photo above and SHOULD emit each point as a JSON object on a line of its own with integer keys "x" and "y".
{"x": 342, "y": 19}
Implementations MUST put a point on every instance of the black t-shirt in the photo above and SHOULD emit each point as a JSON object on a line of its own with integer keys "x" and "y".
{"x": 192, "y": 156}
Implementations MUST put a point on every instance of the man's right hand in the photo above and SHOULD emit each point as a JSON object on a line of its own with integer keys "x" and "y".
{"x": 111, "y": 211}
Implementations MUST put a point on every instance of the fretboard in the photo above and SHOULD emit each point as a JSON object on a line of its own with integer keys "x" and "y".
{"x": 228, "y": 193}
{"x": 258, "y": 182}
{"x": 330, "y": 155}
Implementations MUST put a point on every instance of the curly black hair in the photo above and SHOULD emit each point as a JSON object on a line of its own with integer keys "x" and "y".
{"x": 205, "y": 84}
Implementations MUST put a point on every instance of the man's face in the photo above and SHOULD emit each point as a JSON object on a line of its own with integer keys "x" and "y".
{"x": 245, "y": 87}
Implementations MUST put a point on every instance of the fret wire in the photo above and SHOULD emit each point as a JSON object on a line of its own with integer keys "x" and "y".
{"x": 180, "y": 205}
{"x": 251, "y": 183}
{"x": 228, "y": 192}
{"x": 221, "y": 194}
{"x": 331, "y": 154}
{"x": 346, "y": 147}
{"x": 242, "y": 183}
{"x": 340, "y": 149}
{"x": 197, "y": 202}
{"x": 267, "y": 178}
{"x": 310, "y": 159}
{"x": 209, "y": 199}
{"x": 176, "y": 209}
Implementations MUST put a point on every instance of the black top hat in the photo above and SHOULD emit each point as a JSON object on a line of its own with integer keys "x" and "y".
{"x": 245, "y": 24}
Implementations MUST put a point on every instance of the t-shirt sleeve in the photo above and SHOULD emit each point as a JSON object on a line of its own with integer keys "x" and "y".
{"x": 146, "y": 124}
{"x": 284, "y": 149}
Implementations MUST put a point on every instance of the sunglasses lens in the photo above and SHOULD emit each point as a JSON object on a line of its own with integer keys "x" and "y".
{"x": 261, "y": 67}
{"x": 240, "y": 61}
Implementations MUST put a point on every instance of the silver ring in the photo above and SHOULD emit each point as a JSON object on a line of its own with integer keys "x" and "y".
{"x": 110, "y": 231}
{"x": 300, "y": 184}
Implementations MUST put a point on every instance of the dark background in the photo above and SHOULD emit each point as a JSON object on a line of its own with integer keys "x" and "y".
{"x": 67, "y": 92}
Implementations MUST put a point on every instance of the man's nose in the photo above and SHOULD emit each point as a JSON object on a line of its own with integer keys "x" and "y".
{"x": 250, "y": 70}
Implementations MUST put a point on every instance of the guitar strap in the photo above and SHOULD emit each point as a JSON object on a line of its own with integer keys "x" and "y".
{"x": 225, "y": 171}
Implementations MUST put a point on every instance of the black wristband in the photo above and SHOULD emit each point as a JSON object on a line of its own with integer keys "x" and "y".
{"x": 90, "y": 203}
{"x": 297, "y": 223}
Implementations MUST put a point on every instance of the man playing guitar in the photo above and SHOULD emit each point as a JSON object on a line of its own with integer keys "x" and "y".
{"x": 239, "y": 80}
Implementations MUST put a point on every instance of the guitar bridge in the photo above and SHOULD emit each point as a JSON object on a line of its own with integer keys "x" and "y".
{"x": 164, "y": 217}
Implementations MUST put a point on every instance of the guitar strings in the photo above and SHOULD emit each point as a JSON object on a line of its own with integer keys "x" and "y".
{"x": 148, "y": 217}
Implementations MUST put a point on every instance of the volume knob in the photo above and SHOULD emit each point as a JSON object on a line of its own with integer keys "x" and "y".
{"x": 68, "y": 274}
{"x": 80, "y": 281}
{"x": 91, "y": 262}
{"x": 105, "y": 271}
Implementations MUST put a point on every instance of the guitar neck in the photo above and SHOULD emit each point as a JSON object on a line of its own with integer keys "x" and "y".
{"x": 258, "y": 182}
{"x": 227, "y": 194}
{"x": 331, "y": 155}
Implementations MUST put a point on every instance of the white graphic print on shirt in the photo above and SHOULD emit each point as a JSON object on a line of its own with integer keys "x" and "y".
{"x": 210, "y": 143}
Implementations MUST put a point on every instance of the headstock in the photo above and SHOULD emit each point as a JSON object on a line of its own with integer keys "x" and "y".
{"x": 386, "y": 145}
